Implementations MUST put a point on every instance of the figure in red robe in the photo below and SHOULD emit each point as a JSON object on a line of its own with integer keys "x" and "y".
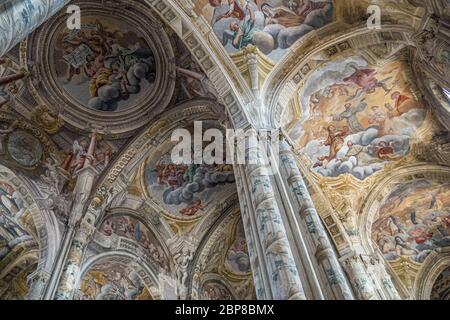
{"x": 402, "y": 105}
{"x": 235, "y": 10}
{"x": 366, "y": 81}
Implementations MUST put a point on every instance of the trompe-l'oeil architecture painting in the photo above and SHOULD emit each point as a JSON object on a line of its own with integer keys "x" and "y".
{"x": 94, "y": 205}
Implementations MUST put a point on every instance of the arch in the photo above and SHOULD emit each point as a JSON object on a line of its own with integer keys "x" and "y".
{"x": 213, "y": 252}
{"x": 47, "y": 233}
{"x": 17, "y": 275}
{"x": 384, "y": 187}
{"x": 433, "y": 266}
{"x": 377, "y": 196}
{"x": 144, "y": 272}
{"x": 111, "y": 184}
{"x": 142, "y": 219}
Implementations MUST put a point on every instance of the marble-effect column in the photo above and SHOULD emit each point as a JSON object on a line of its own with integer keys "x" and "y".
{"x": 257, "y": 273}
{"x": 323, "y": 249}
{"x": 18, "y": 18}
{"x": 284, "y": 278}
{"x": 71, "y": 270}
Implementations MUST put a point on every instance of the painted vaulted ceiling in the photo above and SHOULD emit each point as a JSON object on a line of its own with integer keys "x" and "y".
{"x": 366, "y": 112}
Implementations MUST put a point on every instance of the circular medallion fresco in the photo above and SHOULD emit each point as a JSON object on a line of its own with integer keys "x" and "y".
{"x": 106, "y": 65}
{"x": 25, "y": 149}
{"x": 114, "y": 71}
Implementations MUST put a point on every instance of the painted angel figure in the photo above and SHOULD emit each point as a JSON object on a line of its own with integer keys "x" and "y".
{"x": 367, "y": 82}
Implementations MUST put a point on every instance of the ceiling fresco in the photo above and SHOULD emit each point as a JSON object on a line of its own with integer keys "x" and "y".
{"x": 106, "y": 65}
{"x": 356, "y": 117}
{"x": 89, "y": 187}
{"x": 109, "y": 73}
{"x": 131, "y": 228}
{"x": 224, "y": 269}
{"x": 187, "y": 191}
{"x": 271, "y": 25}
{"x": 113, "y": 281}
{"x": 17, "y": 280}
{"x": 413, "y": 221}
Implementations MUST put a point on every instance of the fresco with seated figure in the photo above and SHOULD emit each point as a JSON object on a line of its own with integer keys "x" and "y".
{"x": 271, "y": 25}
{"x": 356, "y": 118}
{"x": 413, "y": 221}
{"x": 106, "y": 65}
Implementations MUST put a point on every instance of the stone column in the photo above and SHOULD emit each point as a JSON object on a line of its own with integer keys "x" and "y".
{"x": 376, "y": 267}
{"x": 18, "y": 18}
{"x": 387, "y": 283}
{"x": 283, "y": 276}
{"x": 260, "y": 276}
{"x": 71, "y": 270}
{"x": 80, "y": 227}
{"x": 322, "y": 246}
{"x": 360, "y": 279}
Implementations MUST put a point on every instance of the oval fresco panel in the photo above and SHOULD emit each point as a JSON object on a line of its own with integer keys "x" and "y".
{"x": 25, "y": 149}
{"x": 356, "y": 118}
{"x": 413, "y": 221}
{"x": 106, "y": 65}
